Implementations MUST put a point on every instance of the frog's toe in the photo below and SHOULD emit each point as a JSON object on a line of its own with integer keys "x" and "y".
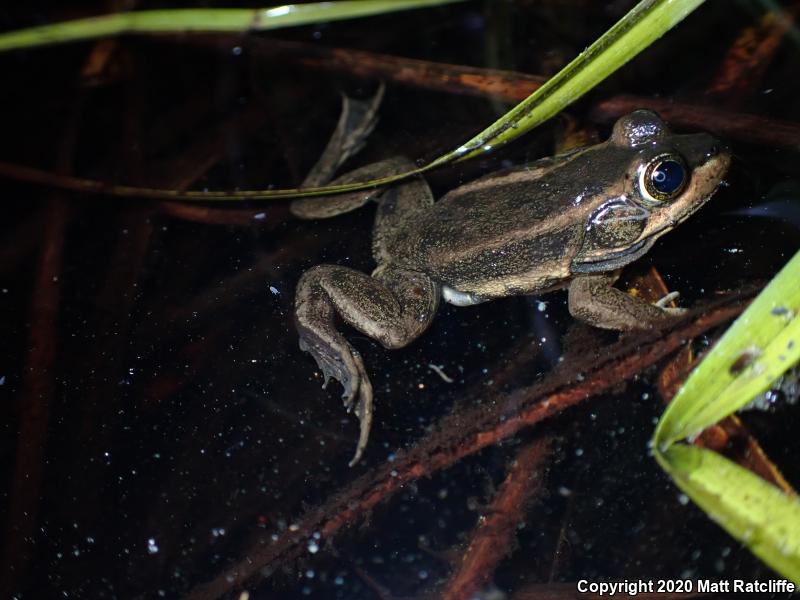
{"x": 364, "y": 411}
{"x": 670, "y": 297}
{"x": 334, "y": 365}
{"x": 351, "y": 379}
{"x": 357, "y": 396}
{"x": 344, "y": 364}
{"x": 673, "y": 311}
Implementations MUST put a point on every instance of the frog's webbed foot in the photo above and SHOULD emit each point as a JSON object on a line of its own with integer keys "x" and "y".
{"x": 394, "y": 307}
{"x": 593, "y": 300}
{"x": 324, "y": 207}
{"x": 356, "y": 122}
{"x": 338, "y": 360}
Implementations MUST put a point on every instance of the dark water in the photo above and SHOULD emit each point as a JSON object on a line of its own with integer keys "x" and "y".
{"x": 160, "y": 423}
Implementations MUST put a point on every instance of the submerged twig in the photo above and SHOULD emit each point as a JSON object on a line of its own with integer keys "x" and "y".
{"x": 743, "y": 67}
{"x": 511, "y": 86}
{"x": 39, "y": 382}
{"x": 468, "y": 431}
{"x": 493, "y": 537}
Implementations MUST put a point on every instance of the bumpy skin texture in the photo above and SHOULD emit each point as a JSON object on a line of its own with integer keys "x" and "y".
{"x": 570, "y": 221}
{"x": 394, "y": 307}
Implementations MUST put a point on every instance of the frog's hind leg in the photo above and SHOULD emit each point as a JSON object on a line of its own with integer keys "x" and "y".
{"x": 393, "y": 307}
{"x": 324, "y": 207}
{"x": 356, "y": 122}
{"x": 396, "y": 206}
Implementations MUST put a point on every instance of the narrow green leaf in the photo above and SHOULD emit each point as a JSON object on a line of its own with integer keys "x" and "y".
{"x": 207, "y": 20}
{"x": 760, "y": 346}
{"x": 750, "y": 509}
{"x": 645, "y": 23}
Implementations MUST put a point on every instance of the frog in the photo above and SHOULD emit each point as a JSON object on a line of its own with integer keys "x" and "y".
{"x": 568, "y": 222}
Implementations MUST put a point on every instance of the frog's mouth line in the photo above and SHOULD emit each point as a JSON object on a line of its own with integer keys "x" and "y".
{"x": 615, "y": 260}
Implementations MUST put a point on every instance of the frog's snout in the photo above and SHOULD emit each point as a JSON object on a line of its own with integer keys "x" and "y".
{"x": 712, "y": 151}
{"x": 717, "y": 148}
{"x": 700, "y": 149}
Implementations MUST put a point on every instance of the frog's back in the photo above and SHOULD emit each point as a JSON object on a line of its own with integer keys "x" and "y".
{"x": 510, "y": 232}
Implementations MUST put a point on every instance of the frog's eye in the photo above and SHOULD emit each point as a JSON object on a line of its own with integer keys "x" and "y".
{"x": 663, "y": 178}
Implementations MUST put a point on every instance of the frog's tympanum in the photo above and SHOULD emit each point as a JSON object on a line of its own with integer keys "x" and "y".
{"x": 570, "y": 222}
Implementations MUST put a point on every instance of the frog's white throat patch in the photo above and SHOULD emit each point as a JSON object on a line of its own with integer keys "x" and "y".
{"x": 457, "y": 298}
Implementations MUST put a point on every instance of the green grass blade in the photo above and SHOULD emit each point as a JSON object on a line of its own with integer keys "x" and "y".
{"x": 206, "y": 20}
{"x": 750, "y": 509}
{"x": 645, "y": 23}
{"x": 761, "y": 345}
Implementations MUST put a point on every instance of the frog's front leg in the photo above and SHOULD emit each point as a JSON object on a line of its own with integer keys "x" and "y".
{"x": 593, "y": 300}
{"x": 394, "y": 307}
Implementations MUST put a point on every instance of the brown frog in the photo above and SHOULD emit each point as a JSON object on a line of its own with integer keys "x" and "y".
{"x": 571, "y": 221}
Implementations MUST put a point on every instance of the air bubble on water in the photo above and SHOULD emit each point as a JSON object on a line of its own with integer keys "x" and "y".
{"x": 152, "y": 547}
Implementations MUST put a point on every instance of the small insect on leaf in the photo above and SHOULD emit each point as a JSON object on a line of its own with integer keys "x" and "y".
{"x": 744, "y": 360}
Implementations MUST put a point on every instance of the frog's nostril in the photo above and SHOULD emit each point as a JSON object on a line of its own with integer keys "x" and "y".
{"x": 715, "y": 149}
